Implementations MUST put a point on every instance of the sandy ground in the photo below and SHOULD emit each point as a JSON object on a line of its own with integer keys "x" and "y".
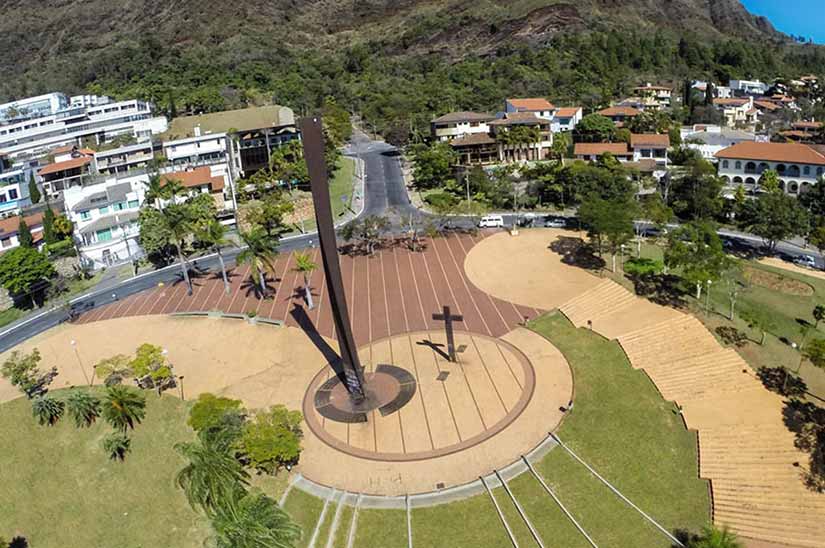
{"x": 779, "y": 263}
{"x": 522, "y": 269}
{"x": 263, "y": 365}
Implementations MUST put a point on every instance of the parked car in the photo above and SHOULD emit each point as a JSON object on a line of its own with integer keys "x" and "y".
{"x": 806, "y": 260}
{"x": 491, "y": 221}
{"x": 552, "y": 222}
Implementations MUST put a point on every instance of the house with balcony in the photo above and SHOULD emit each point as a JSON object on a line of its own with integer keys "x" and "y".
{"x": 210, "y": 180}
{"x": 251, "y": 134}
{"x": 456, "y": 125}
{"x": 106, "y": 220}
{"x": 650, "y": 146}
{"x": 620, "y": 114}
{"x": 124, "y": 159}
{"x": 14, "y": 189}
{"x": 68, "y": 170}
{"x": 200, "y": 149}
{"x": 590, "y": 152}
{"x": 656, "y": 97}
{"x": 738, "y": 112}
{"x": 748, "y": 87}
{"x": 508, "y": 133}
{"x": 799, "y": 166}
{"x": 542, "y": 108}
{"x": 478, "y": 149}
{"x": 566, "y": 119}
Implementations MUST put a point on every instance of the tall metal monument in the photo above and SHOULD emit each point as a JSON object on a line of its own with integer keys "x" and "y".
{"x": 313, "y": 138}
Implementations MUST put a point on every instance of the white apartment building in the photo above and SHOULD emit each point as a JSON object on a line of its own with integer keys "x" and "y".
{"x": 33, "y": 107}
{"x": 798, "y": 166}
{"x": 124, "y": 159}
{"x": 106, "y": 220}
{"x": 748, "y": 87}
{"x": 201, "y": 149}
{"x": 14, "y": 189}
{"x": 455, "y": 125}
{"x": 88, "y": 100}
{"x": 99, "y": 124}
{"x": 708, "y": 139}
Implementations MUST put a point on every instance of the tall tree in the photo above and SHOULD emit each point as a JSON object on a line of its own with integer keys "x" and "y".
{"x": 24, "y": 234}
{"x": 34, "y": 192}
{"x": 213, "y": 477}
{"x": 609, "y": 221}
{"x": 774, "y": 216}
{"x": 305, "y": 266}
{"x": 123, "y": 407}
{"x": 25, "y": 271}
{"x": 213, "y": 234}
{"x": 433, "y": 165}
{"x": 49, "y": 235}
{"x": 259, "y": 254}
{"x": 594, "y": 128}
{"x": 696, "y": 249}
{"x": 179, "y": 224}
{"x": 254, "y": 521}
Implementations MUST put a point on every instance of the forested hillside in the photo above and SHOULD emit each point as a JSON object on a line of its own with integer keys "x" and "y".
{"x": 398, "y": 61}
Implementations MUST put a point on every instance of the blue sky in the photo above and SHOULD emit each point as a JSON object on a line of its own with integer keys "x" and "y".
{"x": 805, "y": 17}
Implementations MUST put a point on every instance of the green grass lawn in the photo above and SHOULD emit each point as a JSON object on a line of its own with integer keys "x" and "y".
{"x": 10, "y": 315}
{"x": 342, "y": 184}
{"x": 344, "y": 522}
{"x": 468, "y": 523}
{"x": 60, "y": 489}
{"x": 305, "y": 511}
{"x": 623, "y": 428}
{"x": 382, "y": 529}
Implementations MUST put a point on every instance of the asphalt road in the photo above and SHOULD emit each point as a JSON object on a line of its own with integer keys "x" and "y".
{"x": 384, "y": 194}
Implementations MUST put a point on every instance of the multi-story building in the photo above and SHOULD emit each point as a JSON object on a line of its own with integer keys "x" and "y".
{"x": 106, "y": 220}
{"x": 70, "y": 168}
{"x": 124, "y": 159}
{"x": 620, "y": 115}
{"x": 738, "y": 112}
{"x": 95, "y": 125}
{"x": 566, "y": 119}
{"x": 516, "y": 150}
{"x": 33, "y": 107}
{"x": 748, "y": 87}
{"x": 14, "y": 189}
{"x": 654, "y": 96}
{"x": 542, "y": 108}
{"x": 455, "y": 125}
{"x": 251, "y": 134}
{"x": 88, "y": 100}
{"x": 650, "y": 146}
{"x": 210, "y": 180}
{"x": 799, "y": 166}
{"x": 590, "y": 152}
{"x": 709, "y": 139}
{"x": 197, "y": 150}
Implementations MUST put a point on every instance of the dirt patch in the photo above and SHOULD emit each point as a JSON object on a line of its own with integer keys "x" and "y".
{"x": 777, "y": 282}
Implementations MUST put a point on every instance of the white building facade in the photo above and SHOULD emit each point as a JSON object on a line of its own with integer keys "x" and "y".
{"x": 798, "y": 166}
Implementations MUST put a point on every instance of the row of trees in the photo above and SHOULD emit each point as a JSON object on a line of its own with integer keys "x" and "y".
{"x": 216, "y": 480}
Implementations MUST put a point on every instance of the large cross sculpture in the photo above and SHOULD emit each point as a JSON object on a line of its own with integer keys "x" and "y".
{"x": 448, "y": 320}
{"x": 313, "y": 138}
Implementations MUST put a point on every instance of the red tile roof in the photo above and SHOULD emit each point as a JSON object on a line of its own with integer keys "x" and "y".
{"x": 533, "y": 104}
{"x": 567, "y": 112}
{"x": 729, "y": 102}
{"x": 474, "y": 139}
{"x": 619, "y": 111}
{"x": 597, "y": 149}
{"x": 649, "y": 140}
{"x": 65, "y": 166}
{"x": 655, "y": 88}
{"x": 9, "y": 225}
{"x": 802, "y": 124}
{"x": 192, "y": 178}
{"x": 773, "y": 152}
{"x": 766, "y": 105}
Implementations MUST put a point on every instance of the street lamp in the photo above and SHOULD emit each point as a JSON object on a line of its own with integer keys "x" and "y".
{"x": 79, "y": 361}
{"x": 707, "y": 299}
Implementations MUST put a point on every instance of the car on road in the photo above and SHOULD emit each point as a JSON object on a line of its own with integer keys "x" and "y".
{"x": 553, "y": 222}
{"x": 806, "y": 260}
{"x": 491, "y": 221}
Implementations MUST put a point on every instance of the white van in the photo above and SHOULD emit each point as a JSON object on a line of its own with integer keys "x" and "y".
{"x": 491, "y": 221}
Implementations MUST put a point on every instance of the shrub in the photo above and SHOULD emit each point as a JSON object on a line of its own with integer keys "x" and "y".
{"x": 63, "y": 248}
{"x": 84, "y": 407}
{"x": 643, "y": 267}
{"x": 731, "y": 336}
{"x": 114, "y": 370}
{"x": 47, "y": 410}
{"x": 116, "y": 445}
{"x": 272, "y": 439}
{"x": 22, "y": 371}
{"x": 151, "y": 369}
{"x": 123, "y": 407}
{"x": 440, "y": 200}
{"x": 209, "y": 411}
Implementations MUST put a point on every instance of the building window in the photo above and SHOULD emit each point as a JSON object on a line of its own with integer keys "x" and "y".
{"x": 819, "y": 171}
{"x": 12, "y": 194}
{"x": 103, "y": 210}
{"x": 85, "y": 215}
{"x": 806, "y": 170}
{"x": 725, "y": 164}
{"x": 133, "y": 203}
{"x": 7, "y": 242}
{"x": 104, "y": 235}
{"x": 120, "y": 206}
{"x": 738, "y": 165}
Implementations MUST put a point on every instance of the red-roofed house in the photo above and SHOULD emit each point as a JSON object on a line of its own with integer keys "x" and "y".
{"x": 9, "y": 226}
{"x": 619, "y": 114}
{"x": 654, "y": 96}
{"x": 205, "y": 179}
{"x": 59, "y": 176}
{"x": 798, "y": 165}
{"x": 650, "y": 146}
{"x": 566, "y": 119}
{"x": 540, "y": 107}
{"x": 738, "y": 112}
{"x": 590, "y": 152}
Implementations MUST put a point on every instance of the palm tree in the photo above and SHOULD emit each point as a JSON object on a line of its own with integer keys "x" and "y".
{"x": 252, "y": 521}
{"x": 123, "y": 407}
{"x": 716, "y": 538}
{"x": 84, "y": 407}
{"x": 172, "y": 188}
{"x": 213, "y": 477}
{"x": 117, "y": 444}
{"x": 819, "y": 314}
{"x": 213, "y": 233}
{"x": 304, "y": 265}
{"x": 180, "y": 228}
{"x": 154, "y": 191}
{"x": 47, "y": 410}
{"x": 259, "y": 254}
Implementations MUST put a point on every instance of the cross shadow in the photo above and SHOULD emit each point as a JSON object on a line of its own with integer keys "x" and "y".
{"x": 330, "y": 355}
{"x": 435, "y": 347}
